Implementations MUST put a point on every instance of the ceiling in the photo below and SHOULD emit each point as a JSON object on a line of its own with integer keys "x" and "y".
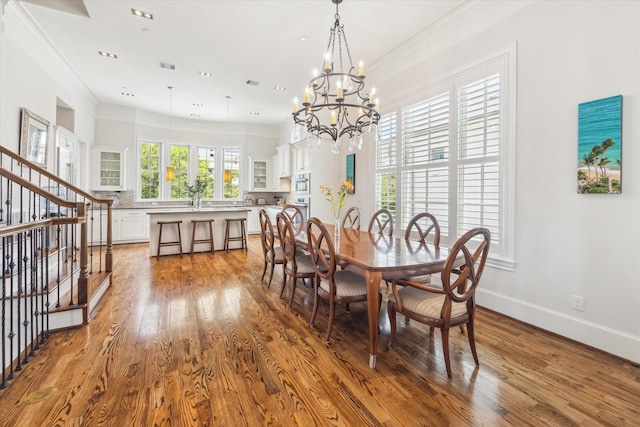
{"x": 235, "y": 41}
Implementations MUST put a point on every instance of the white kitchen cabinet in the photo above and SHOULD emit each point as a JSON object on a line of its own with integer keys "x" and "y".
{"x": 110, "y": 166}
{"x": 253, "y": 221}
{"x": 127, "y": 226}
{"x": 132, "y": 225}
{"x": 260, "y": 175}
{"x": 302, "y": 153}
{"x": 284, "y": 161}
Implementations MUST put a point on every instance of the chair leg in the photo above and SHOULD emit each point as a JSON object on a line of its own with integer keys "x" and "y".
{"x": 445, "y": 349}
{"x": 273, "y": 267}
{"x": 348, "y": 310}
{"x": 284, "y": 279}
{"x": 391, "y": 311}
{"x": 472, "y": 341}
{"x": 264, "y": 271}
{"x": 332, "y": 313}
{"x": 293, "y": 290}
{"x": 316, "y": 302}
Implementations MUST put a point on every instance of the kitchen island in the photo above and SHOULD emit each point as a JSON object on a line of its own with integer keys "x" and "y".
{"x": 169, "y": 233}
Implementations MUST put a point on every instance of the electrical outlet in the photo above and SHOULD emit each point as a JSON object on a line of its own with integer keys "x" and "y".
{"x": 577, "y": 302}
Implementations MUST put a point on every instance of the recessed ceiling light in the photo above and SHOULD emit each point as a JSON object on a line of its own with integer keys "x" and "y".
{"x": 205, "y": 74}
{"x": 167, "y": 66}
{"x": 195, "y": 104}
{"x": 141, "y": 14}
{"x": 280, "y": 88}
{"x": 303, "y": 38}
{"x": 108, "y": 54}
{"x": 126, "y": 94}
{"x": 252, "y": 83}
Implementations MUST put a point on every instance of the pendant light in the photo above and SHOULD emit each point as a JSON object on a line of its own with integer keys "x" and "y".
{"x": 170, "y": 172}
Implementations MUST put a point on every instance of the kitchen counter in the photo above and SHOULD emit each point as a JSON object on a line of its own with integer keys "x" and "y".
{"x": 169, "y": 233}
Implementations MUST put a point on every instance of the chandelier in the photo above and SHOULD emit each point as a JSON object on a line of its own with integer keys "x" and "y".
{"x": 335, "y": 104}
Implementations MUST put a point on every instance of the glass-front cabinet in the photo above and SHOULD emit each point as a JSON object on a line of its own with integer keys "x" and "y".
{"x": 260, "y": 175}
{"x": 111, "y": 166}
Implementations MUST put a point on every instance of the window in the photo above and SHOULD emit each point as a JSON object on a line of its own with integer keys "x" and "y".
{"x": 149, "y": 170}
{"x": 385, "y": 181}
{"x": 207, "y": 168}
{"x": 179, "y": 159}
{"x": 188, "y": 161}
{"x": 231, "y": 161}
{"x": 453, "y": 156}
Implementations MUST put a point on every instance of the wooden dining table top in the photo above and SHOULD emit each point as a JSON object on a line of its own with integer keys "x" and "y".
{"x": 377, "y": 257}
{"x": 393, "y": 257}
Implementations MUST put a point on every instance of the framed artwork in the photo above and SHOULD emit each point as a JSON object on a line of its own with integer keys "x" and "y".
{"x": 600, "y": 146}
{"x": 351, "y": 170}
{"x": 34, "y": 133}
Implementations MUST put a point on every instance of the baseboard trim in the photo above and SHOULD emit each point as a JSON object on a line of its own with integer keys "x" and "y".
{"x": 618, "y": 343}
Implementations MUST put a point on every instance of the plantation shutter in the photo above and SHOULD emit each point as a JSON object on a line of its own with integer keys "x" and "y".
{"x": 425, "y": 155}
{"x": 479, "y": 123}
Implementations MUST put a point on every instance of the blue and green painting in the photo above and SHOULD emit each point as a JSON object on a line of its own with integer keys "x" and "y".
{"x": 600, "y": 146}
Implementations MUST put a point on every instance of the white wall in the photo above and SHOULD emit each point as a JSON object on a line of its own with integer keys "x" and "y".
{"x": 121, "y": 127}
{"x": 568, "y": 52}
{"x": 32, "y": 76}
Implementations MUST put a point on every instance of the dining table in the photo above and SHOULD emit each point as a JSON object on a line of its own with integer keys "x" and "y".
{"x": 378, "y": 257}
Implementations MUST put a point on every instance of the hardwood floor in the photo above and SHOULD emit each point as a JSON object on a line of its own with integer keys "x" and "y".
{"x": 199, "y": 341}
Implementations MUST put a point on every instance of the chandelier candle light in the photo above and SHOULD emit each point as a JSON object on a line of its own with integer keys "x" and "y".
{"x": 337, "y": 94}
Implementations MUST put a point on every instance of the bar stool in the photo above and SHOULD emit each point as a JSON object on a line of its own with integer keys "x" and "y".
{"x": 172, "y": 243}
{"x": 243, "y": 234}
{"x": 209, "y": 239}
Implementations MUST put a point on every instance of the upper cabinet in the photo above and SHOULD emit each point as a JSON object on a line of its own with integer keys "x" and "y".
{"x": 284, "y": 162}
{"x": 302, "y": 160}
{"x": 260, "y": 171}
{"x": 110, "y": 166}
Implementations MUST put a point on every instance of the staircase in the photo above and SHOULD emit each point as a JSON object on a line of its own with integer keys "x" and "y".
{"x": 55, "y": 270}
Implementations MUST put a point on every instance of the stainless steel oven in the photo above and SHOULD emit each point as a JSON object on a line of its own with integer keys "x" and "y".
{"x": 301, "y": 183}
{"x": 303, "y": 203}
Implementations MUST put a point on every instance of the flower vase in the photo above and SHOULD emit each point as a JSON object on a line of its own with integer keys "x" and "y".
{"x": 336, "y": 225}
{"x": 197, "y": 202}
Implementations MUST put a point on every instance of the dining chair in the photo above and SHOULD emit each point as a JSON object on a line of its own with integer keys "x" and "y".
{"x": 381, "y": 223}
{"x": 420, "y": 228}
{"x": 296, "y": 265}
{"x": 336, "y": 286}
{"x": 423, "y": 228}
{"x": 351, "y": 219}
{"x": 294, "y": 214}
{"x": 454, "y": 303}
{"x": 272, "y": 255}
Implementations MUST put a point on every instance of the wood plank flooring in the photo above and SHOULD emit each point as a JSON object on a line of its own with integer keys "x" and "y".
{"x": 199, "y": 341}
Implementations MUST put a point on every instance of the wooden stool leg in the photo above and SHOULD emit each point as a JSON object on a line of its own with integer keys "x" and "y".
{"x": 159, "y": 242}
{"x": 244, "y": 235}
{"x": 193, "y": 236}
{"x": 226, "y": 238}
{"x": 180, "y": 239}
{"x": 211, "y": 235}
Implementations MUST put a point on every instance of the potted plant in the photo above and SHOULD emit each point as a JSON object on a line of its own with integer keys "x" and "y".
{"x": 196, "y": 190}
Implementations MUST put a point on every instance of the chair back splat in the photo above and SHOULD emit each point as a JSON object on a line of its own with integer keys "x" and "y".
{"x": 381, "y": 223}
{"x": 295, "y": 215}
{"x": 424, "y": 228}
{"x": 351, "y": 219}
